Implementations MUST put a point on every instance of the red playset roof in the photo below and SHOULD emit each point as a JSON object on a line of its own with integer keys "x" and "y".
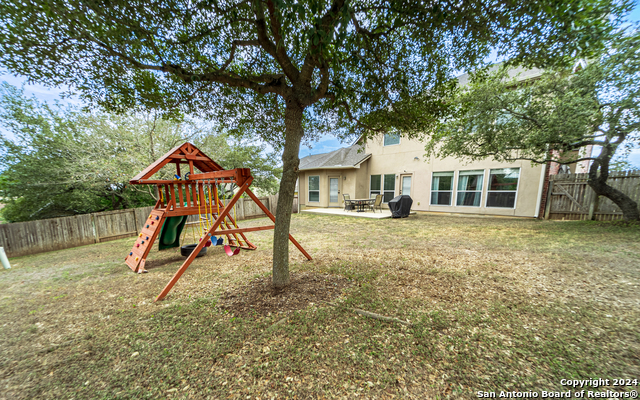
{"x": 185, "y": 153}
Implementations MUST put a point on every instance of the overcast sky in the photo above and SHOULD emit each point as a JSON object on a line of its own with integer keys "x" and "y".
{"x": 324, "y": 144}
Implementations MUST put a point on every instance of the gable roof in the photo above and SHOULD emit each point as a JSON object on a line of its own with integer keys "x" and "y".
{"x": 343, "y": 158}
{"x": 180, "y": 154}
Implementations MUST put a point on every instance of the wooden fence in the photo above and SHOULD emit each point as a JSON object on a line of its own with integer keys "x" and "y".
{"x": 23, "y": 238}
{"x": 570, "y": 198}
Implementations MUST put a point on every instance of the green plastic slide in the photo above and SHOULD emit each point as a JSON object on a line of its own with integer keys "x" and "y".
{"x": 170, "y": 233}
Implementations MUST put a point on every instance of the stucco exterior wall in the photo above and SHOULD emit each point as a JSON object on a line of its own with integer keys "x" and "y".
{"x": 407, "y": 158}
{"x": 347, "y": 179}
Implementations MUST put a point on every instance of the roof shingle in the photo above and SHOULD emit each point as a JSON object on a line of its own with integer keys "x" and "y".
{"x": 345, "y": 157}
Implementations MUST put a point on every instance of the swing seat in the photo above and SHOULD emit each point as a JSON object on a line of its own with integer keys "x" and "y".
{"x": 215, "y": 241}
{"x": 227, "y": 249}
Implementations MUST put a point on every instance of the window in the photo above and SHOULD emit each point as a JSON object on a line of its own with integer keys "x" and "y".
{"x": 391, "y": 139}
{"x": 314, "y": 188}
{"x": 383, "y": 184}
{"x": 469, "y": 188}
{"x": 503, "y": 185}
{"x": 441, "y": 188}
{"x": 389, "y": 191}
{"x": 376, "y": 186}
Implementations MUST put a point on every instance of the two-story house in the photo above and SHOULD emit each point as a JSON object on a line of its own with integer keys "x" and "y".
{"x": 392, "y": 165}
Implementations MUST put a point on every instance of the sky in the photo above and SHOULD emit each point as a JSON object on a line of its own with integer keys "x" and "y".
{"x": 324, "y": 144}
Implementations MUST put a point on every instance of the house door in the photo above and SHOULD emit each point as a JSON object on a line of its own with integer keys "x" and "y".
{"x": 334, "y": 192}
{"x": 406, "y": 185}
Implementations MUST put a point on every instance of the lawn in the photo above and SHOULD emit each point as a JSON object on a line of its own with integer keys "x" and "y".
{"x": 494, "y": 304}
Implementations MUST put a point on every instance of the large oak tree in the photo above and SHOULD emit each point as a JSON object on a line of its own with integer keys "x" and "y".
{"x": 284, "y": 69}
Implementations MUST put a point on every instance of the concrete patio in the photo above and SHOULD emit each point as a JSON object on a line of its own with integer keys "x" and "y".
{"x": 342, "y": 212}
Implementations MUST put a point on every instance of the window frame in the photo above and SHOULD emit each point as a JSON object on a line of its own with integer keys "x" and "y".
{"x": 481, "y": 190}
{"x": 384, "y": 139}
{"x": 515, "y": 198}
{"x": 309, "y": 190}
{"x": 383, "y": 190}
{"x": 379, "y": 191}
{"x": 453, "y": 181}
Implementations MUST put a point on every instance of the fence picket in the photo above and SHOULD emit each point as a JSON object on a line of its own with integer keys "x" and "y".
{"x": 571, "y": 198}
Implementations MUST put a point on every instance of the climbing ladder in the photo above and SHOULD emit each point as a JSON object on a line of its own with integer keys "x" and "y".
{"x": 150, "y": 231}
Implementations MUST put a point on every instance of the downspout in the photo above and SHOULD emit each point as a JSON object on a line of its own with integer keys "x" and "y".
{"x": 540, "y": 189}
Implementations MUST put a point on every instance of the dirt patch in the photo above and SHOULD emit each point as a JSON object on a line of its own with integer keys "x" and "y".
{"x": 260, "y": 298}
{"x": 151, "y": 264}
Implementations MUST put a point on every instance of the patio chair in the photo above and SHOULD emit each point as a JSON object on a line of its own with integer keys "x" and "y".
{"x": 377, "y": 204}
{"x": 348, "y": 206}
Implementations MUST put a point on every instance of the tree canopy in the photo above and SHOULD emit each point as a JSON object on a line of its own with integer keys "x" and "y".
{"x": 363, "y": 58}
{"x": 285, "y": 69}
{"x": 553, "y": 117}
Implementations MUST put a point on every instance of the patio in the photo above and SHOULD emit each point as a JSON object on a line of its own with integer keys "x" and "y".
{"x": 342, "y": 212}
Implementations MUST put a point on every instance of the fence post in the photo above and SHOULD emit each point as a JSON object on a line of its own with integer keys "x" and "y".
{"x": 240, "y": 208}
{"x": 273, "y": 203}
{"x": 96, "y": 238}
{"x": 593, "y": 207}
{"x": 135, "y": 220}
{"x": 547, "y": 208}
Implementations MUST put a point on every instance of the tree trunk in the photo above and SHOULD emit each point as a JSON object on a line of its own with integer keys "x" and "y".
{"x": 290, "y": 163}
{"x": 598, "y": 182}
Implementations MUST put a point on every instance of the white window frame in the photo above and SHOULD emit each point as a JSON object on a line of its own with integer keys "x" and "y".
{"x": 383, "y": 190}
{"x": 453, "y": 181}
{"x": 384, "y": 139}
{"x": 309, "y": 189}
{"x": 515, "y": 199}
{"x": 481, "y": 190}
{"x": 378, "y": 190}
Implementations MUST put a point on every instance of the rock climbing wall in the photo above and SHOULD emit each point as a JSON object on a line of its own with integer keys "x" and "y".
{"x": 150, "y": 230}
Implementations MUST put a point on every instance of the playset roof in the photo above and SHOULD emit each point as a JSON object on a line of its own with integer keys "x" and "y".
{"x": 182, "y": 154}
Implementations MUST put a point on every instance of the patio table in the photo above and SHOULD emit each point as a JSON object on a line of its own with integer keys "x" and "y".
{"x": 362, "y": 203}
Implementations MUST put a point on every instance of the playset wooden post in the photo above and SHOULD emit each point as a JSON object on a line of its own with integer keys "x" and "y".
{"x": 191, "y": 199}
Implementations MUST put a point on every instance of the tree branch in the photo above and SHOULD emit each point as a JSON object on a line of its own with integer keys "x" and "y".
{"x": 321, "y": 90}
{"x": 326, "y": 24}
{"x": 277, "y": 51}
{"x": 232, "y": 53}
{"x": 359, "y": 123}
{"x": 273, "y": 82}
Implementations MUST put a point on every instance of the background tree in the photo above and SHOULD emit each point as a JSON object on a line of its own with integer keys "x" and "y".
{"x": 59, "y": 161}
{"x": 230, "y": 153}
{"x": 497, "y": 116}
{"x": 281, "y": 68}
{"x": 37, "y": 163}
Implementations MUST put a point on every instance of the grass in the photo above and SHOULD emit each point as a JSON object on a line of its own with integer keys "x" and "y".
{"x": 495, "y": 305}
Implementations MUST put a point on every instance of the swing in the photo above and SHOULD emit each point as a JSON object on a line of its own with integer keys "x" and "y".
{"x": 204, "y": 231}
{"x": 187, "y": 249}
{"x": 215, "y": 241}
{"x": 227, "y": 248}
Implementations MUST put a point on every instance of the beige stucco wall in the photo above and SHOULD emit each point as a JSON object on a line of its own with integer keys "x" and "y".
{"x": 407, "y": 158}
{"x": 351, "y": 181}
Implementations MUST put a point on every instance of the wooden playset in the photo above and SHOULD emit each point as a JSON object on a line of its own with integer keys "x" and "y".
{"x": 193, "y": 194}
